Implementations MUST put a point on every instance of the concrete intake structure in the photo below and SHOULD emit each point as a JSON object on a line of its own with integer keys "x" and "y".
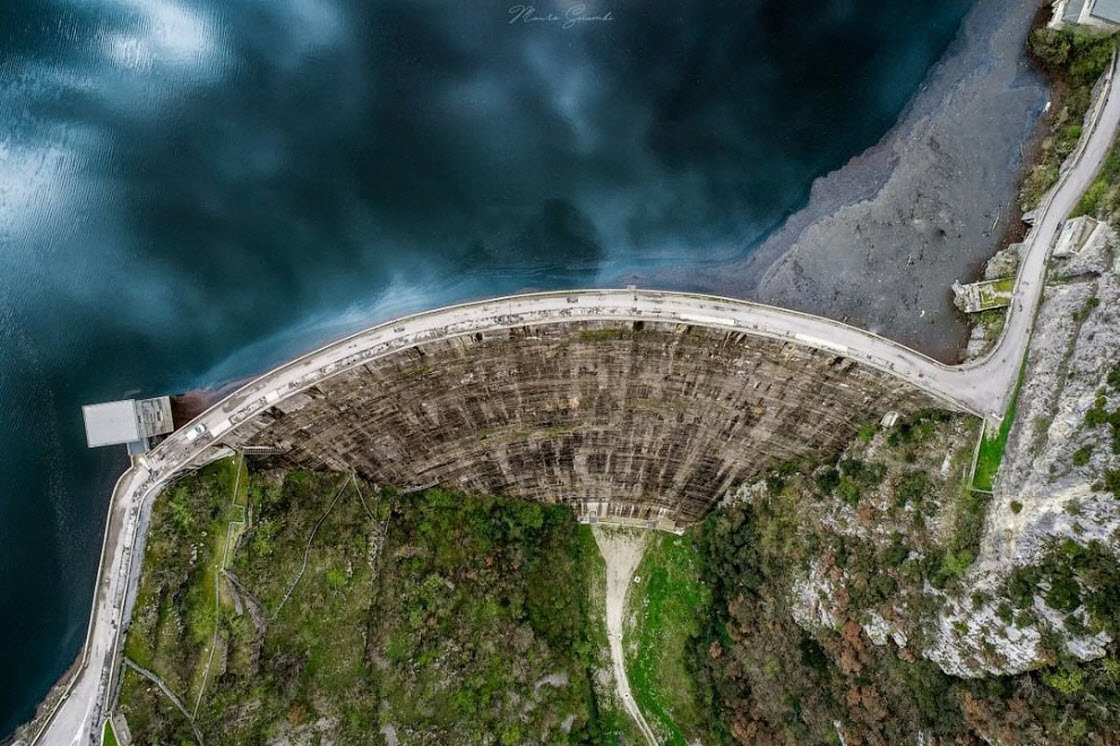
{"x": 634, "y": 420}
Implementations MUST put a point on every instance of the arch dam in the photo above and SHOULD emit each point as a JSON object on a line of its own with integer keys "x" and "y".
{"x": 633, "y": 406}
{"x": 625, "y": 403}
{"x": 630, "y": 406}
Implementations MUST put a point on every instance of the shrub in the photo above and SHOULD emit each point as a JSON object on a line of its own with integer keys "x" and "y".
{"x": 1051, "y": 46}
{"x": 897, "y": 552}
{"x": 1097, "y": 415}
{"x": 1066, "y": 682}
{"x": 1091, "y": 201}
{"x": 828, "y": 480}
{"x": 912, "y": 488}
{"x": 1064, "y": 594}
{"x": 1112, "y": 481}
{"x": 1082, "y": 455}
{"x": 1114, "y": 376}
{"x": 1016, "y": 507}
{"x": 1020, "y": 588}
{"x": 865, "y": 474}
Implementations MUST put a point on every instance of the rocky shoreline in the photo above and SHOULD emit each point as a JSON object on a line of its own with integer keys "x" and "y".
{"x": 882, "y": 239}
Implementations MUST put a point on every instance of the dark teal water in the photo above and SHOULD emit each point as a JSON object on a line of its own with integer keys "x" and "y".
{"x": 191, "y": 191}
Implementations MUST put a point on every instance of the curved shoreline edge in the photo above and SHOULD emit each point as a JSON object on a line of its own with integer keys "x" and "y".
{"x": 982, "y": 387}
{"x": 864, "y": 247}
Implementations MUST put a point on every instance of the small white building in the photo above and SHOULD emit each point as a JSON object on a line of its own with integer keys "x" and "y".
{"x": 129, "y": 421}
{"x": 1103, "y": 14}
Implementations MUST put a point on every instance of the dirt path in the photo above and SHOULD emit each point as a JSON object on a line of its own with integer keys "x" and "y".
{"x": 622, "y": 550}
{"x": 307, "y": 546}
{"x": 217, "y": 581}
{"x": 167, "y": 692}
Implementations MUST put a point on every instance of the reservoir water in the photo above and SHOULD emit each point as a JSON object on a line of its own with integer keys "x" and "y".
{"x": 193, "y": 190}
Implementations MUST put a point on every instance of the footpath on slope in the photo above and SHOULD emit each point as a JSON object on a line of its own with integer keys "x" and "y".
{"x": 622, "y": 550}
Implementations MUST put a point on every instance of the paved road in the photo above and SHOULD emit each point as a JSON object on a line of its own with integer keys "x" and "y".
{"x": 983, "y": 387}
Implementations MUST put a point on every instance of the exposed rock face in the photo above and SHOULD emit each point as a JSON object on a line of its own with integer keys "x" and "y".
{"x": 1076, "y": 342}
{"x": 655, "y": 422}
{"x": 972, "y": 640}
{"x": 1042, "y": 493}
{"x": 1004, "y": 263}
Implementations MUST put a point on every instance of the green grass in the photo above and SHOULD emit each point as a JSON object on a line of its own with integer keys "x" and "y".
{"x": 990, "y": 455}
{"x": 174, "y": 617}
{"x": 1101, "y": 194}
{"x": 108, "y": 737}
{"x": 670, "y": 604}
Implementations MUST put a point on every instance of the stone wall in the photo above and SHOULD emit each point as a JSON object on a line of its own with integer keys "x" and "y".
{"x": 653, "y": 422}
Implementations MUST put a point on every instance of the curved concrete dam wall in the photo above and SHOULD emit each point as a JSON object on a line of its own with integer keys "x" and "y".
{"x": 643, "y": 420}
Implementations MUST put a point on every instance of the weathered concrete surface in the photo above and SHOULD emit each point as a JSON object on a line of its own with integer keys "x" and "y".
{"x": 648, "y": 420}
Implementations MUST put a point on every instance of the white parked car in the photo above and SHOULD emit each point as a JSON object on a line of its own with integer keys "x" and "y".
{"x": 196, "y": 431}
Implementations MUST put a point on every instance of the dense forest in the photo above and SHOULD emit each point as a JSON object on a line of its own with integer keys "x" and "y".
{"x": 305, "y": 607}
{"x": 882, "y": 535}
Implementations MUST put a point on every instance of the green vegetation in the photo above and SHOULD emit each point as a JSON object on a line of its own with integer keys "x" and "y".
{"x": 309, "y": 607}
{"x": 670, "y": 602}
{"x": 996, "y": 293}
{"x": 175, "y": 606}
{"x": 108, "y": 737}
{"x": 344, "y": 610}
{"x": 1059, "y": 579}
{"x": 969, "y": 513}
{"x": 615, "y": 724}
{"x": 1004, "y": 285}
{"x": 1098, "y": 416}
{"x": 1082, "y": 455}
{"x": 773, "y": 681}
{"x": 1075, "y": 59}
{"x": 483, "y": 618}
{"x": 990, "y": 455}
{"x": 1102, "y": 194}
{"x": 1083, "y": 313}
{"x": 777, "y": 681}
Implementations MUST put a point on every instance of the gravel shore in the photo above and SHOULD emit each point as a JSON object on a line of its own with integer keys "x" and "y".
{"x": 882, "y": 239}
